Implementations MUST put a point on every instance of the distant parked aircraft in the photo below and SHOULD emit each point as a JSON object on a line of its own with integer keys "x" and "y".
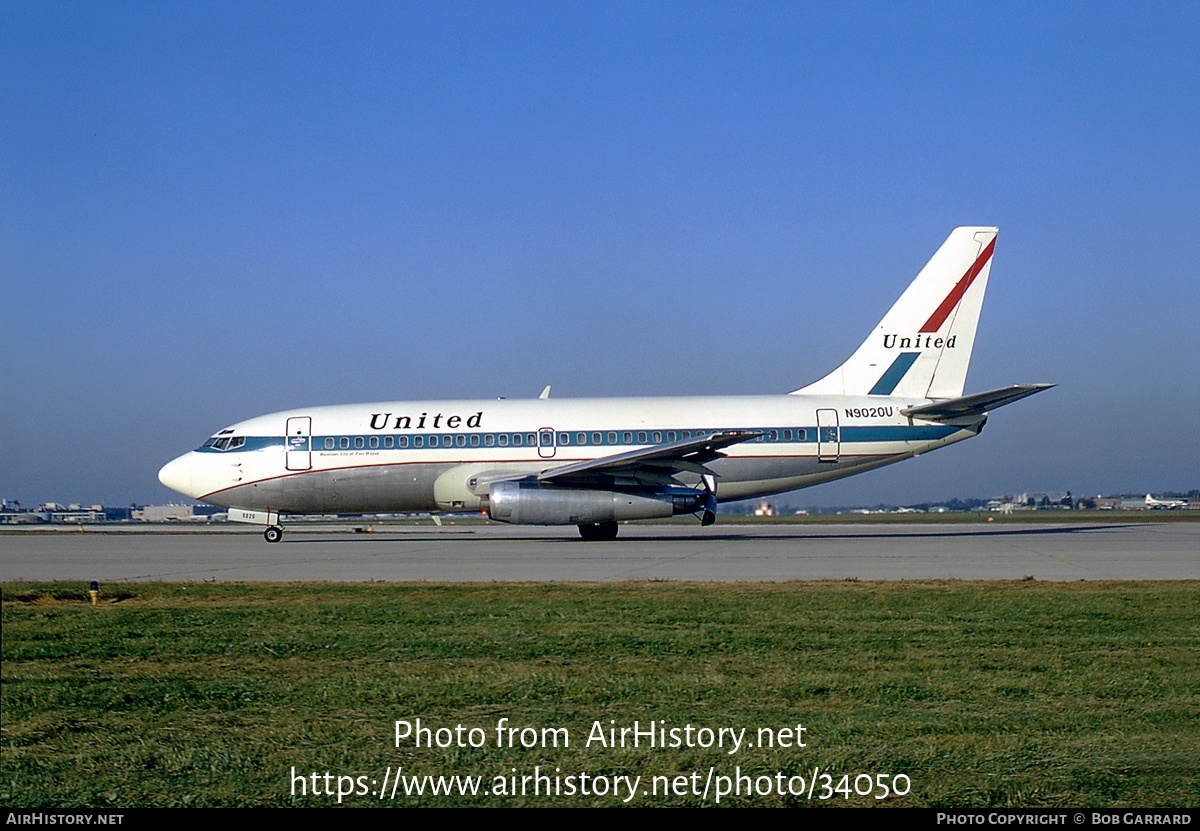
{"x": 1166, "y": 504}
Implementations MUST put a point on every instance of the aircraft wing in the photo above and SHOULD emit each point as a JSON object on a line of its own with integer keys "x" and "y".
{"x": 973, "y": 405}
{"x": 657, "y": 461}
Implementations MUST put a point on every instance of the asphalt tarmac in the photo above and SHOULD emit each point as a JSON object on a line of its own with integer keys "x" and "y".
{"x": 478, "y": 553}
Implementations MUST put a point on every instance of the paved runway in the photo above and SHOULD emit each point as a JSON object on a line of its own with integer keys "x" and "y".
{"x": 1143, "y": 551}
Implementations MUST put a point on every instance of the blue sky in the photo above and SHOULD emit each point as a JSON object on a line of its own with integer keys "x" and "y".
{"x": 214, "y": 211}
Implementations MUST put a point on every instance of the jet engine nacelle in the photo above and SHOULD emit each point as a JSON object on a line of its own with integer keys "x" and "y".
{"x": 530, "y": 503}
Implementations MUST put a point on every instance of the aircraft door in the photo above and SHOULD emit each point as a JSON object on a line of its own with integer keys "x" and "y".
{"x": 829, "y": 436}
{"x": 299, "y": 443}
{"x": 546, "y": 442}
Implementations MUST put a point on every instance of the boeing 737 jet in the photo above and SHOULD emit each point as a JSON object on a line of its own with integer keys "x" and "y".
{"x": 596, "y": 462}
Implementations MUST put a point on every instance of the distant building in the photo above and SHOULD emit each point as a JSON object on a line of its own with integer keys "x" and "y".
{"x": 1040, "y": 499}
{"x": 78, "y": 515}
{"x": 765, "y": 508}
{"x": 11, "y": 513}
{"x": 164, "y": 513}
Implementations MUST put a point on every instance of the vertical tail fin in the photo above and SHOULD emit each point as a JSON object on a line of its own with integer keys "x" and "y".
{"x": 922, "y": 346}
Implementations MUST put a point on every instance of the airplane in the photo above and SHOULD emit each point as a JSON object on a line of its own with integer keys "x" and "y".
{"x": 1165, "y": 504}
{"x": 595, "y": 462}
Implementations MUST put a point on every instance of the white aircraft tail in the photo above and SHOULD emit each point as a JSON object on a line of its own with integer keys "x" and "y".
{"x": 922, "y": 346}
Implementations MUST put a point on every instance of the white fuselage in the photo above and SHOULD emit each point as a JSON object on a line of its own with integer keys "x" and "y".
{"x": 425, "y": 455}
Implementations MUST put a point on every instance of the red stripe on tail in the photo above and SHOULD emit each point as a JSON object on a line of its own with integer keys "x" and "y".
{"x": 943, "y": 311}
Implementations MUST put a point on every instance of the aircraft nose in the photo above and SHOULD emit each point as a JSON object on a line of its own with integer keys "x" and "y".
{"x": 177, "y": 475}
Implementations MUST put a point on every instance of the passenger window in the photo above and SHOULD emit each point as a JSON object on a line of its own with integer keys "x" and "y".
{"x": 628, "y": 438}
{"x": 329, "y": 444}
{"x": 358, "y": 442}
{"x": 671, "y": 435}
{"x": 489, "y": 440}
{"x": 474, "y": 439}
{"x": 504, "y": 439}
{"x": 581, "y": 438}
{"x": 772, "y": 435}
{"x": 404, "y": 441}
{"x": 517, "y": 439}
{"x": 460, "y": 440}
{"x": 656, "y": 437}
{"x": 387, "y": 441}
{"x": 564, "y": 438}
{"x": 344, "y": 442}
{"x": 612, "y": 438}
{"x": 787, "y": 435}
{"x": 531, "y": 439}
{"x": 374, "y": 441}
{"x": 418, "y": 441}
{"x": 801, "y": 435}
{"x": 433, "y": 441}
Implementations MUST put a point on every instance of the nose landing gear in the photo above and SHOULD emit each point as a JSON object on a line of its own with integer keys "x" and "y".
{"x": 273, "y": 534}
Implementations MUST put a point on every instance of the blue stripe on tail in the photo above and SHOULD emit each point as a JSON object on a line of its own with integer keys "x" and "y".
{"x": 895, "y": 372}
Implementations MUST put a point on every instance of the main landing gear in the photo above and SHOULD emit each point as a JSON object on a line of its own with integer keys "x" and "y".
{"x": 273, "y": 534}
{"x": 598, "y": 530}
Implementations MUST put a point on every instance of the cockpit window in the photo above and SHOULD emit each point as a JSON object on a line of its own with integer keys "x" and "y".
{"x": 223, "y": 441}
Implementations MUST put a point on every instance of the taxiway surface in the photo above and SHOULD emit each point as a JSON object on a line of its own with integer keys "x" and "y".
{"x": 1142, "y": 551}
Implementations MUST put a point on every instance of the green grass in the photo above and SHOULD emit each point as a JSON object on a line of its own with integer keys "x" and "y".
{"x": 983, "y": 694}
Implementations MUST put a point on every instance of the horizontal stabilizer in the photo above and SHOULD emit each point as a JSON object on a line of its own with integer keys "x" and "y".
{"x": 971, "y": 405}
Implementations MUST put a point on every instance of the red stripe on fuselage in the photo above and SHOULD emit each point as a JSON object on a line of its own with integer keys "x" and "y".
{"x": 943, "y": 311}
